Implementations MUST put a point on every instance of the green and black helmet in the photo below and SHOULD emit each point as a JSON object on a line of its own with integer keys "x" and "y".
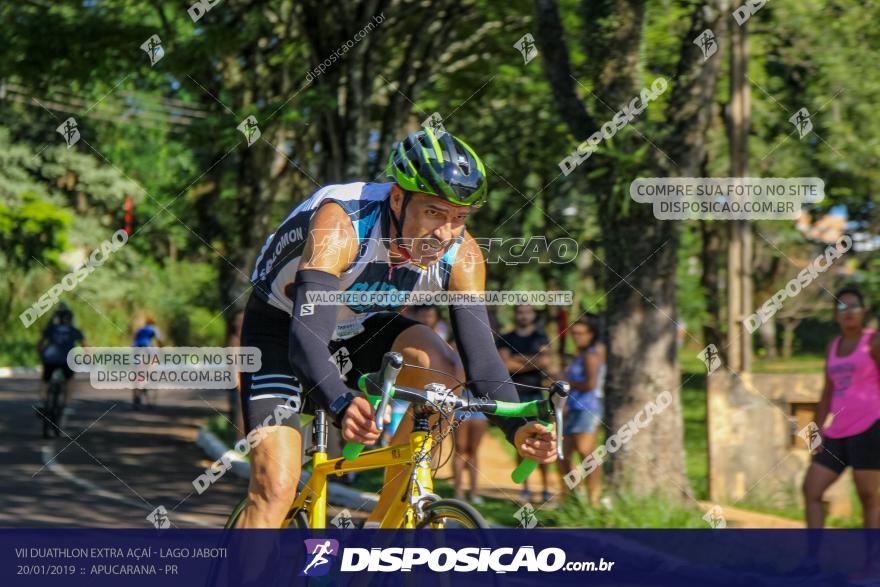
{"x": 444, "y": 166}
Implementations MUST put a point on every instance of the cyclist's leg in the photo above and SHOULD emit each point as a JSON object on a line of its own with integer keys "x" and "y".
{"x": 68, "y": 375}
{"x": 271, "y": 402}
{"x": 275, "y": 471}
{"x": 47, "y": 382}
{"x": 419, "y": 346}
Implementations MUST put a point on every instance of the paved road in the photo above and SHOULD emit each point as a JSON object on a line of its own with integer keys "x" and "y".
{"x": 111, "y": 465}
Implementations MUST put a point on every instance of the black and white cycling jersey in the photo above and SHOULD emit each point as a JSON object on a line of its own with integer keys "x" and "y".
{"x": 367, "y": 204}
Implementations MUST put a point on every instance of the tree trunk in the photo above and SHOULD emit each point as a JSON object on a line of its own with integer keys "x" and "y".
{"x": 711, "y": 255}
{"x": 788, "y": 337}
{"x": 642, "y": 360}
{"x": 767, "y": 332}
{"x": 640, "y": 251}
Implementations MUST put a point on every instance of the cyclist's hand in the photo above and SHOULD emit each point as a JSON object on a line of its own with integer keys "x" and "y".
{"x": 534, "y": 441}
{"x": 359, "y": 422}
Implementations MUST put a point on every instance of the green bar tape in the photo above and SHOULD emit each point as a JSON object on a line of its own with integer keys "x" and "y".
{"x": 527, "y": 467}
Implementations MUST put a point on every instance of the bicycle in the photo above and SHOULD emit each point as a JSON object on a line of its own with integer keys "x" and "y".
{"x": 142, "y": 397}
{"x": 416, "y": 505}
{"x": 52, "y": 413}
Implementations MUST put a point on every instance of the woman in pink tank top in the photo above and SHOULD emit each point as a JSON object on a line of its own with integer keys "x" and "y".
{"x": 852, "y": 400}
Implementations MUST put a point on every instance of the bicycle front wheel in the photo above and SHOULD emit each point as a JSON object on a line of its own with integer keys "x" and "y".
{"x": 451, "y": 513}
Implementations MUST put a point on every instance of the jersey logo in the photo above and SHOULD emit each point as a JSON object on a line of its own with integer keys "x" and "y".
{"x": 307, "y": 309}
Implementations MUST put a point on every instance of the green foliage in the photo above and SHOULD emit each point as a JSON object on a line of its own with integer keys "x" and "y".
{"x": 629, "y": 510}
{"x": 693, "y": 407}
{"x": 691, "y": 298}
{"x": 32, "y": 230}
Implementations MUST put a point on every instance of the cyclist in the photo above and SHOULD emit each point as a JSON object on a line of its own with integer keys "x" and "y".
{"x": 146, "y": 334}
{"x": 144, "y": 338}
{"x": 406, "y": 235}
{"x": 57, "y": 340}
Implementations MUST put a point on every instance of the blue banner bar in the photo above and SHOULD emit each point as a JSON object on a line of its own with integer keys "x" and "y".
{"x": 73, "y": 557}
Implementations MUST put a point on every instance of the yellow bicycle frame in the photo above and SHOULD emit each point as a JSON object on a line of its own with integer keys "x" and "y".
{"x": 401, "y": 514}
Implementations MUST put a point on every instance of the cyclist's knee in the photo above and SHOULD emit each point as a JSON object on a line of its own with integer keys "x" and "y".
{"x": 275, "y": 469}
{"x": 424, "y": 347}
{"x": 439, "y": 357}
{"x": 273, "y": 489}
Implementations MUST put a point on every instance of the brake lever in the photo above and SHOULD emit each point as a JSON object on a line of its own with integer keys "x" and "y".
{"x": 392, "y": 363}
{"x": 558, "y": 395}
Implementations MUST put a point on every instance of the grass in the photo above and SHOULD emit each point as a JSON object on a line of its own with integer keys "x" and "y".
{"x": 796, "y": 364}
{"x": 693, "y": 405}
{"x": 628, "y": 511}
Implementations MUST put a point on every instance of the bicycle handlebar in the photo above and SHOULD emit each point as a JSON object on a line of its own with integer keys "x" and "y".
{"x": 379, "y": 388}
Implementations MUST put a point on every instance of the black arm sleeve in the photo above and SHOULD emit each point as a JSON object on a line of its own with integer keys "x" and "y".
{"x": 481, "y": 360}
{"x": 311, "y": 328}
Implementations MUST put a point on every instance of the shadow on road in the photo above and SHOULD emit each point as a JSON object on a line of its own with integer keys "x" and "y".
{"x": 112, "y": 465}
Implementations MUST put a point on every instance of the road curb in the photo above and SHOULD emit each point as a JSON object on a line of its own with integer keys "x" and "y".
{"x": 18, "y": 371}
{"x": 337, "y": 494}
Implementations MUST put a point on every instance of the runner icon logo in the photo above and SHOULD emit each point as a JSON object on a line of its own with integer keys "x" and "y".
{"x": 320, "y": 552}
{"x": 811, "y": 436}
{"x": 342, "y": 360}
{"x": 159, "y": 518}
{"x": 715, "y": 517}
{"x": 343, "y": 520}
{"x": 710, "y": 357}
{"x": 526, "y": 516}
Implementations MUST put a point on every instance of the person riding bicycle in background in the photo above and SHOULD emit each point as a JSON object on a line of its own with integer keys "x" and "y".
{"x": 146, "y": 334}
{"x": 59, "y": 337}
{"x": 526, "y": 354}
{"x": 143, "y": 338}
{"x": 406, "y": 235}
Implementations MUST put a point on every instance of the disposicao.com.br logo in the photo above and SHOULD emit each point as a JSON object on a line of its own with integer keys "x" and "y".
{"x": 442, "y": 560}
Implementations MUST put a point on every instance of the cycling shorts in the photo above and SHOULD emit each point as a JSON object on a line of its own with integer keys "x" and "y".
{"x": 266, "y": 393}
